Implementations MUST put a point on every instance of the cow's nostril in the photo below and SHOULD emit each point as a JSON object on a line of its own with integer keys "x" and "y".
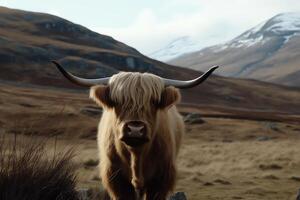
{"x": 135, "y": 129}
{"x": 135, "y": 133}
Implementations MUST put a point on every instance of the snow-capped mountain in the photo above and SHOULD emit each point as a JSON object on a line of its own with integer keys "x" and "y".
{"x": 175, "y": 48}
{"x": 270, "y": 51}
{"x": 286, "y": 25}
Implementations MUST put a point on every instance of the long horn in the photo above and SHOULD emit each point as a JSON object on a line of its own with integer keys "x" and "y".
{"x": 81, "y": 81}
{"x": 190, "y": 83}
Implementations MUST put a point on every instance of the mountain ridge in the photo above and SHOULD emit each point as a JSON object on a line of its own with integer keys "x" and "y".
{"x": 27, "y": 48}
{"x": 268, "y": 52}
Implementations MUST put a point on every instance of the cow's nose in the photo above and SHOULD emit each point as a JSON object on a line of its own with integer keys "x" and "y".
{"x": 135, "y": 129}
{"x": 135, "y": 133}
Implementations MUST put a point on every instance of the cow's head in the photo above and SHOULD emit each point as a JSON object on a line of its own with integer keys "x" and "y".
{"x": 135, "y": 100}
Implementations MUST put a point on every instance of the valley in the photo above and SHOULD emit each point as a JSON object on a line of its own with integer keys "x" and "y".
{"x": 222, "y": 157}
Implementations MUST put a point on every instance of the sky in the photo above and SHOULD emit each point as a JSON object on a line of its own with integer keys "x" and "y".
{"x": 150, "y": 25}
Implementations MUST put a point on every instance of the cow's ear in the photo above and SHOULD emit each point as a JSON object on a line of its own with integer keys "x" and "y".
{"x": 169, "y": 97}
{"x": 100, "y": 94}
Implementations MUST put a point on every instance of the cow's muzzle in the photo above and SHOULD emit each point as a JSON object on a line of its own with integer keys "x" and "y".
{"x": 134, "y": 133}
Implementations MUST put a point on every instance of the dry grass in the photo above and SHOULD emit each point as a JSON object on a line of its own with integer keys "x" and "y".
{"x": 28, "y": 172}
{"x": 227, "y": 157}
{"x": 222, "y": 159}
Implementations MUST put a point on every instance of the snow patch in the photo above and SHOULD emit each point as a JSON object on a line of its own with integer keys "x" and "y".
{"x": 286, "y": 22}
{"x": 176, "y": 48}
{"x": 220, "y": 48}
{"x": 282, "y": 23}
{"x": 288, "y": 37}
{"x": 247, "y": 42}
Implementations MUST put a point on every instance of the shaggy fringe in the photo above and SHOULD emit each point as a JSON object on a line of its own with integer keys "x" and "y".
{"x": 27, "y": 174}
{"x": 125, "y": 86}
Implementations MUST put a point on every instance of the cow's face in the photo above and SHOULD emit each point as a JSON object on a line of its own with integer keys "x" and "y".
{"x": 135, "y": 101}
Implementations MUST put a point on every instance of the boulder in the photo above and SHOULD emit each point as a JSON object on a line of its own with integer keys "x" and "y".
{"x": 178, "y": 196}
{"x": 193, "y": 118}
{"x": 91, "y": 111}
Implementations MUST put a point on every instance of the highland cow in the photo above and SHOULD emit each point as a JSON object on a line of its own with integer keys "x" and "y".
{"x": 140, "y": 132}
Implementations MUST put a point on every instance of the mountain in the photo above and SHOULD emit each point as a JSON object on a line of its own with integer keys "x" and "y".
{"x": 175, "y": 48}
{"x": 268, "y": 52}
{"x": 30, "y": 40}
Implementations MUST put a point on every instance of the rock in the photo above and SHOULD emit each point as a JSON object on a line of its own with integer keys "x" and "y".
{"x": 184, "y": 114}
{"x": 273, "y": 177}
{"x": 208, "y": 184}
{"x": 193, "y": 115}
{"x": 227, "y": 141}
{"x": 295, "y": 178}
{"x": 91, "y": 111}
{"x": 270, "y": 167}
{"x": 193, "y": 118}
{"x": 27, "y": 105}
{"x": 222, "y": 182}
{"x": 178, "y": 196}
{"x": 263, "y": 138}
{"x": 298, "y": 195}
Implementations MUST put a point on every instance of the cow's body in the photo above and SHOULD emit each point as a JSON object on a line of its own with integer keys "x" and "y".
{"x": 149, "y": 169}
{"x": 155, "y": 165}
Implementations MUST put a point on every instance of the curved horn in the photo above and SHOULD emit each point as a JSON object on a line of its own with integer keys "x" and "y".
{"x": 190, "y": 83}
{"x": 81, "y": 81}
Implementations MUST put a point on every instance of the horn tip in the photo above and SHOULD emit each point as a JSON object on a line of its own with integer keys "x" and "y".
{"x": 54, "y": 61}
{"x": 57, "y": 65}
{"x": 215, "y": 67}
{"x": 60, "y": 68}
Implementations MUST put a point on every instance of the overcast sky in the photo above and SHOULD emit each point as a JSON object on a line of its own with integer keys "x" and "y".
{"x": 150, "y": 25}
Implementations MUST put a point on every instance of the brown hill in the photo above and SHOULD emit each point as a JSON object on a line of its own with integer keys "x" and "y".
{"x": 29, "y": 41}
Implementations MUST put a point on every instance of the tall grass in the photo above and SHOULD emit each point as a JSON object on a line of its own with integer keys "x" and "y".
{"x": 28, "y": 173}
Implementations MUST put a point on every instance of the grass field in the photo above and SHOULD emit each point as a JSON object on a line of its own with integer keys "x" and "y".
{"x": 229, "y": 156}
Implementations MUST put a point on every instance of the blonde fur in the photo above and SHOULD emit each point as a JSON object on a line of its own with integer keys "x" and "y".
{"x": 151, "y": 169}
{"x": 126, "y": 89}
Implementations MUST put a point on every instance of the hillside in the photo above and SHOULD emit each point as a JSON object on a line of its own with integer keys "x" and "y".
{"x": 268, "y": 52}
{"x": 29, "y": 41}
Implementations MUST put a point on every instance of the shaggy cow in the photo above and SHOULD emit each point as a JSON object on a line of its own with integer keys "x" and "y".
{"x": 140, "y": 132}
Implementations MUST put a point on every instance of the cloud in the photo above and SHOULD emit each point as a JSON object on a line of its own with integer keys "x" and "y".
{"x": 209, "y": 23}
{"x": 147, "y": 33}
